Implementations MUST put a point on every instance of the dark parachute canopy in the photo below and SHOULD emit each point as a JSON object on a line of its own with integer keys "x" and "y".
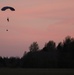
{"x": 8, "y": 7}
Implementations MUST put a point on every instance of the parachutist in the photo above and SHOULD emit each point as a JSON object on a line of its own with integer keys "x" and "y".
{"x": 8, "y": 19}
{"x": 4, "y": 9}
{"x": 6, "y": 29}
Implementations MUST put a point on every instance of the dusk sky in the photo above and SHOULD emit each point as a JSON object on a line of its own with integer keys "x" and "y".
{"x": 34, "y": 20}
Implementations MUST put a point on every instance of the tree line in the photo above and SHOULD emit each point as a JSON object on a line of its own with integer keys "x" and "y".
{"x": 50, "y": 56}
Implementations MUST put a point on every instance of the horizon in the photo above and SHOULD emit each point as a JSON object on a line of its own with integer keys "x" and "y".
{"x": 34, "y": 20}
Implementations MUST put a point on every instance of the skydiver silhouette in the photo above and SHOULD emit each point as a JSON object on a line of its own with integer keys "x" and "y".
{"x": 8, "y": 19}
{"x": 6, "y": 29}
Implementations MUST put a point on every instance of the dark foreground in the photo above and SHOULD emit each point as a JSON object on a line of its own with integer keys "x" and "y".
{"x": 4, "y": 71}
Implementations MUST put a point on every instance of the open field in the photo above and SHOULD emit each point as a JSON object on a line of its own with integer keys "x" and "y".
{"x": 7, "y": 71}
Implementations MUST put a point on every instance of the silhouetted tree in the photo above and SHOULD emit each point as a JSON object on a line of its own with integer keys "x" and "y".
{"x": 34, "y": 47}
{"x": 51, "y": 56}
{"x": 66, "y": 53}
{"x": 50, "y": 46}
{"x": 60, "y": 54}
{"x": 60, "y": 47}
{"x": 1, "y": 62}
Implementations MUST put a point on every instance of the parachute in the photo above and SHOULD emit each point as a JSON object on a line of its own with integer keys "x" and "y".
{"x": 4, "y": 9}
{"x": 8, "y": 7}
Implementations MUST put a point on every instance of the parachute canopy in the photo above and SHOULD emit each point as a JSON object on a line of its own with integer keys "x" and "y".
{"x": 8, "y": 7}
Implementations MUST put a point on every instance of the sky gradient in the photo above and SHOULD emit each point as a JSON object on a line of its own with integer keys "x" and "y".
{"x": 34, "y": 20}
